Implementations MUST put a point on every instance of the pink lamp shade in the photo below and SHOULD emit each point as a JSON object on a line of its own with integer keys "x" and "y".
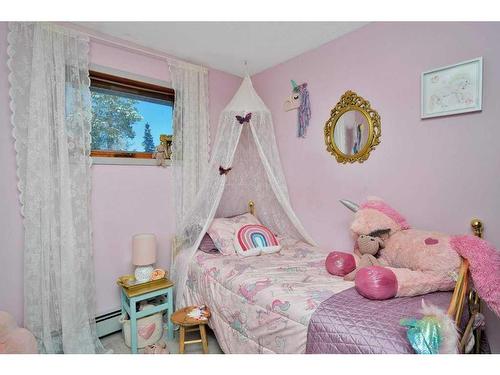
{"x": 143, "y": 249}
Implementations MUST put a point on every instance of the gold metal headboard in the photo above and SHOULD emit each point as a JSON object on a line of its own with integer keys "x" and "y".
{"x": 251, "y": 207}
{"x": 461, "y": 291}
{"x": 477, "y": 227}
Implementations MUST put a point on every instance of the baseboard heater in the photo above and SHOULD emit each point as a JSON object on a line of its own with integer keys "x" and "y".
{"x": 108, "y": 323}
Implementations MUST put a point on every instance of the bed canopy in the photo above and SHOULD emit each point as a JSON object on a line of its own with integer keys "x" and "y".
{"x": 245, "y": 165}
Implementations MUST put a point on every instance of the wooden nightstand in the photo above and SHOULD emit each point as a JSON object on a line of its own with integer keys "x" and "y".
{"x": 130, "y": 299}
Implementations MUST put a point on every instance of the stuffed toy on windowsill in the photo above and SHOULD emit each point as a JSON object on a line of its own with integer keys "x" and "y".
{"x": 415, "y": 262}
{"x": 161, "y": 155}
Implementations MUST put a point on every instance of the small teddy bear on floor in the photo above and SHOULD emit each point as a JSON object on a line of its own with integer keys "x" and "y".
{"x": 158, "y": 348}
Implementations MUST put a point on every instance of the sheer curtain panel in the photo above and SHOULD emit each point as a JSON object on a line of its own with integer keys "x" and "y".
{"x": 191, "y": 133}
{"x": 50, "y": 102}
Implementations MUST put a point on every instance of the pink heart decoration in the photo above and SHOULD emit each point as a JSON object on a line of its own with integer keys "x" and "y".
{"x": 146, "y": 331}
{"x": 431, "y": 241}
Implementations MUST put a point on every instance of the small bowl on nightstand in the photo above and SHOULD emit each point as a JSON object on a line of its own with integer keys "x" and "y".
{"x": 126, "y": 280}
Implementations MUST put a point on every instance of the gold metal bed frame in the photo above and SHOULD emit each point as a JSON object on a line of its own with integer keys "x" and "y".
{"x": 462, "y": 291}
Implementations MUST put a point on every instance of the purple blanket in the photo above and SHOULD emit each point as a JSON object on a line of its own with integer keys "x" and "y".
{"x": 349, "y": 323}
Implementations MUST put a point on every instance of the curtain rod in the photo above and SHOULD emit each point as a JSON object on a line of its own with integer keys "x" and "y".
{"x": 131, "y": 47}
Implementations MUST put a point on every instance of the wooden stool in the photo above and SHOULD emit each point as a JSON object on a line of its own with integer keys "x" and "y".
{"x": 188, "y": 324}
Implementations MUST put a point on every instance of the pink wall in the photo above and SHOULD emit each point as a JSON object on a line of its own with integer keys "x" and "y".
{"x": 439, "y": 172}
{"x": 134, "y": 199}
{"x": 125, "y": 199}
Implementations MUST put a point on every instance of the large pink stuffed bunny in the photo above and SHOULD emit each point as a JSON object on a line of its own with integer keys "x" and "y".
{"x": 414, "y": 262}
{"x": 15, "y": 340}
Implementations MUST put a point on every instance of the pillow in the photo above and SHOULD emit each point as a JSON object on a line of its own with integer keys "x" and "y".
{"x": 207, "y": 245}
{"x": 253, "y": 240}
{"x": 223, "y": 230}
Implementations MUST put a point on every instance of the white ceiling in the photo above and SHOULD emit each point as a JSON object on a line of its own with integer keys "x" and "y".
{"x": 226, "y": 45}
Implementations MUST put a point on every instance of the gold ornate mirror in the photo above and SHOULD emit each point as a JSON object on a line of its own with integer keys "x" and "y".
{"x": 353, "y": 129}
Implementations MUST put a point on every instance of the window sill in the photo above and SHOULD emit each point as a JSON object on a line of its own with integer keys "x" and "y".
{"x": 96, "y": 160}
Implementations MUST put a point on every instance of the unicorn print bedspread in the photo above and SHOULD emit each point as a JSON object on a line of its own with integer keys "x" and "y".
{"x": 262, "y": 304}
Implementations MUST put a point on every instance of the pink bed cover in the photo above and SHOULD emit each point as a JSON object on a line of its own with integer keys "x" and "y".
{"x": 262, "y": 304}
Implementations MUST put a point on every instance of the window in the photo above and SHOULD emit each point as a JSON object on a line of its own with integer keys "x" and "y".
{"x": 128, "y": 117}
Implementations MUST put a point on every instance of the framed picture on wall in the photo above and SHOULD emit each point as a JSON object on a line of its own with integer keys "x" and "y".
{"x": 452, "y": 89}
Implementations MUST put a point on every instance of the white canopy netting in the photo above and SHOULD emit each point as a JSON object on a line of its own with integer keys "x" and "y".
{"x": 245, "y": 143}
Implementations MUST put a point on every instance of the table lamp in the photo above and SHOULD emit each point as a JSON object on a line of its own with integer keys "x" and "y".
{"x": 143, "y": 255}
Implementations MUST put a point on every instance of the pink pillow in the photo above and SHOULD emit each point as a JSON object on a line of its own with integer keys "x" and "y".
{"x": 223, "y": 230}
{"x": 207, "y": 245}
{"x": 340, "y": 264}
{"x": 375, "y": 282}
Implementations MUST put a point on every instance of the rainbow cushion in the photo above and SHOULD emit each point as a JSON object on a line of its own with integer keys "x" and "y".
{"x": 253, "y": 239}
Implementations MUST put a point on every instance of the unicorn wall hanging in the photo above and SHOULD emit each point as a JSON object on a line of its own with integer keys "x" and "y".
{"x": 299, "y": 100}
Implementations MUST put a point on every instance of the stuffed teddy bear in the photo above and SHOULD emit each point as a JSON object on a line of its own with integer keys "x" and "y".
{"x": 158, "y": 348}
{"x": 161, "y": 155}
{"x": 414, "y": 262}
{"x": 366, "y": 251}
{"x": 13, "y": 339}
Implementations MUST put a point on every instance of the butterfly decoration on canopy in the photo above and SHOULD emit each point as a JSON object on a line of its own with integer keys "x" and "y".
{"x": 224, "y": 171}
{"x": 243, "y": 120}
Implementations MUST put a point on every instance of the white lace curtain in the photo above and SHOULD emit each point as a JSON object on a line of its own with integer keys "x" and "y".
{"x": 50, "y": 101}
{"x": 191, "y": 132}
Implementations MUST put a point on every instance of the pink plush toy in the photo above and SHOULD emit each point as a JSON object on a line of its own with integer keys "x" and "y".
{"x": 15, "y": 340}
{"x": 414, "y": 262}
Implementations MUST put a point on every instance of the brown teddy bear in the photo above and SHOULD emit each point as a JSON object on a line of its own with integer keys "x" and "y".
{"x": 161, "y": 155}
{"x": 366, "y": 251}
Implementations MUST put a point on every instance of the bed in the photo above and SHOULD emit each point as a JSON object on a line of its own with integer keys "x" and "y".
{"x": 262, "y": 304}
{"x": 288, "y": 303}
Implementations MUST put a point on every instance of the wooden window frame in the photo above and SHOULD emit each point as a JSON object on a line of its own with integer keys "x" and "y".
{"x": 128, "y": 86}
